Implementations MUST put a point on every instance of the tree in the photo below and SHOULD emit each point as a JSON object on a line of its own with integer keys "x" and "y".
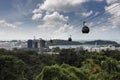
{"x": 100, "y": 76}
{"x": 110, "y": 65}
{"x": 63, "y": 72}
{"x": 55, "y": 72}
{"x": 69, "y": 56}
{"x": 11, "y": 68}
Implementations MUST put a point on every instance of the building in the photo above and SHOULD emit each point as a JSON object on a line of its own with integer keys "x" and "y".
{"x": 30, "y": 43}
{"x": 37, "y": 44}
{"x": 41, "y": 43}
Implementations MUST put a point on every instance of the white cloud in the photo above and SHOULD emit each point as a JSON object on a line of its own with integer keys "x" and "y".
{"x": 53, "y": 20}
{"x": 87, "y": 13}
{"x": 64, "y": 31}
{"x": 57, "y": 5}
{"x": 62, "y": 5}
{"x": 114, "y": 11}
{"x": 38, "y": 10}
{"x": 4, "y": 23}
{"x": 104, "y": 28}
{"x": 106, "y": 24}
{"x": 55, "y": 17}
{"x": 36, "y": 16}
{"x": 55, "y": 30}
{"x": 64, "y": 28}
{"x": 111, "y": 1}
{"x": 75, "y": 6}
{"x": 54, "y": 25}
{"x": 113, "y": 21}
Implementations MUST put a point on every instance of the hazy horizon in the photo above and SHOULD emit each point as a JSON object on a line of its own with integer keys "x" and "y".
{"x": 118, "y": 41}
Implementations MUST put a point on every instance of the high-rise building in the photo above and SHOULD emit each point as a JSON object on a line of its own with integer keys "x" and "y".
{"x": 37, "y": 44}
{"x": 41, "y": 43}
{"x": 30, "y": 43}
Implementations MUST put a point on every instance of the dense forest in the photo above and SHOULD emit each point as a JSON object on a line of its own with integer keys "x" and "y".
{"x": 67, "y": 65}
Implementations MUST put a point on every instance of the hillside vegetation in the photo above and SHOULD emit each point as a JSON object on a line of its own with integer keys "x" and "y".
{"x": 98, "y": 42}
{"x": 68, "y": 65}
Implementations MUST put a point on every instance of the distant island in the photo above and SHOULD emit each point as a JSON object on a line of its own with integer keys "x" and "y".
{"x": 63, "y": 42}
{"x": 98, "y": 42}
{"x": 101, "y": 42}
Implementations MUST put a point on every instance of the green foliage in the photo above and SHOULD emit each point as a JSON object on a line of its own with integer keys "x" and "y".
{"x": 110, "y": 65}
{"x": 75, "y": 71}
{"x": 74, "y": 65}
{"x": 98, "y": 57}
{"x": 56, "y": 49}
{"x": 34, "y": 62}
{"x": 115, "y": 76}
{"x": 11, "y": 68}
{"x": 100, "y": 76}
{"x": 55, "y": 72}
{"x": 69, "y": 56}
{"x": 105, "y": 76}
{"x": 63, "y": 72}
{"x": 90, "y": 67}
{"x": 113, "y": 54}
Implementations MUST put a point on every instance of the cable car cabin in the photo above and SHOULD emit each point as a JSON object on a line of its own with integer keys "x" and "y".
{"x": 69, "y": 39}
{"x": 85, "y": 29}
{"x": 51, "y": 41}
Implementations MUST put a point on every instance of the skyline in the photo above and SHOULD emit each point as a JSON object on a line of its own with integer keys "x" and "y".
{"x": 23, "y": 19}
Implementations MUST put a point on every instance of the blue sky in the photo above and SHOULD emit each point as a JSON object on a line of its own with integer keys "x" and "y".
{"x": 47, "y": 19}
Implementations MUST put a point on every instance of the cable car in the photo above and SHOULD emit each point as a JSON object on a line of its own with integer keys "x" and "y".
{"x": 51, "y": 41}
{"x": 85, "y": 28}
{"x": 70, "y": 39}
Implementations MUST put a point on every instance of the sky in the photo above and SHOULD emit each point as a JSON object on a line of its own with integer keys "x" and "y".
{"x": 58, "y": 19}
